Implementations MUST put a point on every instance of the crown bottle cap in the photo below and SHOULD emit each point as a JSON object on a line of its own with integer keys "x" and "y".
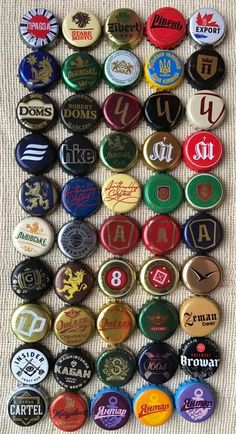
{"x": 145, "y": 406}
{"x": 161, "y": 151}
{"x": 116, "y": 322}
{"x": 73, "y": 369}
{"x": 163, "y": 70}
{"x": 69, "y": 411}
{"x": 162, "y": 193}
{"x": 115, "y": 366}
{"x": 166, "y": 28}
{"x": 81, "y": 29}
{"x": 157, "y": 362}
{"x": 123, "y": 28}
{"x": 122, "y": 70}
{"x": 163, "y": 111}
{"x": 204, "y": 192}
{"x": 158, "y": 319}
{"x": 31, "y": 322}
{"x": 73, "y": 282}
{"x": 39, "y": 71}
{"x": 35, "y": 153}
{"x": 206, "y": 27}
{"x": 202, "y": 233}
{"x": 122, "y": 111}
{"x": 205, "y": 69}
{"x": 161, "y": 234}
{"x": 201, "y": 274}
{"x": 202, "y": 151}
{"x": 77, "y": 239}
{"x": 19, "y": 405}
{"x": 159, "y": 276}
{"x": 205, "y": 110}
{"x": 199, "y": 357}
{"x": 36, "y": 112}
{"x": 121, "y": 193}
{"x": 39, "y": 28}
{"x": 74, "y": 325}
{"x": 116, "y": 277}
{"x": 80, "y": 114}
{"x": 77, "y": 155}
{"x": 119, "y": 234}
{"x": 199, "y": 316}
{"x": 33, "y": 237}
{"x": 81, "y": 72}
{"x": 111, "y": 401}
{"x": 80, "y": 197}
{"x": 38, "y": 196}
{"x": 118, "y": 152}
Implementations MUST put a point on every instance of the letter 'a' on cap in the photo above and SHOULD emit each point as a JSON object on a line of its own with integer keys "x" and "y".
{"x": 119, "y": 234}
{"x": 111, "y": 401}
{"x": 81, "y": 29}
{"x": 161, "y": 234}
{"x": 39, "y": 28}
{"x": 202, "y": 233}
{"x": 202, "y": 151}
{"x": 199, "y": 357}
{"x": 153, "y": 405}
{"x": 166, "y": 28}
{"x": 123, "y": 29}
{"x": 206, "y": 27}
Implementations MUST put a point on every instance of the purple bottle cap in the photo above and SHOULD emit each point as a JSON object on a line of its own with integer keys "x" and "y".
{"x": 122, "y": 111}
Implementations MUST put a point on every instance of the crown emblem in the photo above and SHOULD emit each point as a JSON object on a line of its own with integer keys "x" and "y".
{"x": 34, "y": 228}
{"x": 164, "y": 66}
{"x": 158, "y": 318}
{"x": 28, "y": 248}
{"x": 72, "y": 313}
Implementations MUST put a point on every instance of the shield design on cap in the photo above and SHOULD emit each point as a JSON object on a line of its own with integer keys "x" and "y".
{"x": 206, "y": 66}
{"x": 163, "y": 193}
{"x": 204, "y": 191}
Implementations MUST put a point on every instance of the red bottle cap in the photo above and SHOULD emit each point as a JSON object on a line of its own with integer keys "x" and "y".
{"x": 119, "y": 234}
{"x": 166, "y": 28}
{"x": 202, "y": 151}
{"x": 122, "y": 111}
{"x": 69, "y": 411}
{"x": 161, "y": 234}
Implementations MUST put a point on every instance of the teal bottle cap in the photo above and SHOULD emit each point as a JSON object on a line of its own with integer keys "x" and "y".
{"x": 158, "y": 320}
{"x": 118, "y": 152}
{"x": 162, "y": 193}
{"x": 204, "y": 192}
{"x": 122, "y": 70}
{"x": 81, "y": 72}
{"x": 115, "y": 366}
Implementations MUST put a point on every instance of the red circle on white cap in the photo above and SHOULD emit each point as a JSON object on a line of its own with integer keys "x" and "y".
{"x": 166, "y": 28}
{"x": 202, "y": 151}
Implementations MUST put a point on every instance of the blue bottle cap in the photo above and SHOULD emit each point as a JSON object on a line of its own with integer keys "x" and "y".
{"x": 39, "y": 71}
{"x": 202, "y": 233}
{"x": 35, "y": 153}
{"x": 77, "y": 239}
{"x": 153, "y": 405}
{"x": 38, "y": 195}
{"x": 80, "y": 197}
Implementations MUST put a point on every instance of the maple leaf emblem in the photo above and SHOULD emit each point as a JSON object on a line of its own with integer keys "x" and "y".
{"x": 205, "y": 20}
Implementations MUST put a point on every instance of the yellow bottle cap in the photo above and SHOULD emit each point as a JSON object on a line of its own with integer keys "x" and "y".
{"x": 121, "y": 193}
{"x": 152, "y": 405}
{"x": 199, "y": 316}
{"x": 74, "y": 325}
{"x": 116, "y": 322}
{"x": 163, "y": 70}
{"x": 31, "y": 322}
{"x": 123, "y": 28}
{"x": 81, "y": 28}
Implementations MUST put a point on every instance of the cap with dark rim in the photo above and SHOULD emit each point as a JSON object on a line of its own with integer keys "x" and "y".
{"x": 77, "y": 155}
{"x": 20, "y": 408}
{"x": 39, "y": 71}
{"x": 36, "y": 112}
{"x": 205, "y": 69}
{"x": 38, "y": 195}
{"x": 115, "y": 366}
{"x": 35, "y": 154}
{"x": 73, "y": 282}
{"x": 163, "y": 111}
{"x": 122, "y": 111}
{"x": 80, "y": 114}
{"x": 118, "y": 152}
{"x": 77, "y": 239}
{"x": 73, "y": 368}
{"x": 202, "y": 233}
{"x": 158, "y": 319}
{"x": 80, "y": 197}
{"x": 199, "y": 357}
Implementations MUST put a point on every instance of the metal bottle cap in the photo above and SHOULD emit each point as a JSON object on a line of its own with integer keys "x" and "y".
{"x": 74, "y": 325}
{"x": 31, "y": 322}
{"x": 201, "y": 274}
{"x": 115, "y": 323}
{"x": 199, "y": 316}
{"x": 159, "y": 276}
{"x": 123, "y": 28}
{"x": 116, "y": 277}
{"x": 161, "y": 151}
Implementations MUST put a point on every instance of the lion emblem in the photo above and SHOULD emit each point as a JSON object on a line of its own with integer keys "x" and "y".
{"x": 74, "y": 283}
{"x": 36, "y": 195}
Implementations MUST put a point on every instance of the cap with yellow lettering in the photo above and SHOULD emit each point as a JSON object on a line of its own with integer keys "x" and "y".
{"x": 202, "y": 233}
{"x": 119, "y": 234}
{"x": 31, "y": 322}
{"x": 199, "y": 316}
{"x": 81, "y": 28}
{"x": 164, "y": 70}
{"x": 153, "y": 405}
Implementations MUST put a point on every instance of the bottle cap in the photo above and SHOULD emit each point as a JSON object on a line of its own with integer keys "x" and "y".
{"x": 38, "y": 195}
{"x": 73, "y": 369}
{"x": 205, "y": 69}
{"x": 74, "y": 325}
{"x": 206, "y": 27}
{"x": 122, "y": 111}
{"x": 163, "y": 111}
{"x": 69, "y": 411}
{"x": 77, "y": 155}
{"x": 81, "y": 29}
{"x": 163, "y": 70}
{"x": 199, "y": 316}
{"x": 77, "y": 239}
{"x": 81, "y": 72}
{"x": 205, "y": 110}
{"x": 119, "y": 234}
{"x": 33, "y": 237}
{"x": 35, "y": 154}
{"x": 122, "y": 70}
{"x": 36, "y": 112}
{"x": 118, "y": 152}
{"x": 199, "y": 357}
{"x": 159, "y": 276}
{"x": 161, "y": 151}
{"x": 73, "y": 282}
{"x": 27, "y": 405}
{"x": 116, "y": 277}
{"x": 111, "y": 408}
{"x": 31, "y": 279}
{"x": 157, "y": 362}
{"x": 202, "y": 233}
{"x": 80, "y": 197}
{"x": 39, "y": 28}
{"x": 123, "y": 28}
{"x": 153, "y": 405}
{"x": 204, "y": 192}
{"x": 30, "y": 364}
{"x": 121, "y": 193}
{"x": 39, "y": 71}
{"x": 201, "y": 274}
{"x": 161, "y": 234}
{"x": 195, "y": 401}
{"x": 80, "y": 114}
{"x": 116, "y": 322}
{"x": 31, "y": 322}
{"x": 115, "y": 366}
{"x": 162, "y": 193}
{"x": 166, "y": 28}
{"x": 158, "y": 319}
{"x": 202, "y": 151}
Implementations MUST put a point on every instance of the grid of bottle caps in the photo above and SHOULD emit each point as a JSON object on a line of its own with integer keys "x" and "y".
{"x": 199, "y": 315}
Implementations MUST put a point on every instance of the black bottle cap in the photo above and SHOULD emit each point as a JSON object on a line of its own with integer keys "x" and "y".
{"x": 199, "y": 357}
{"x": 73, "y": 368}
{"x": 27, "y": 405}
{"x": 205, "y": 69}
{"x": 80, "y": 113}
{"x": 77, "y": 155}
{"x": 36, "y": 112}
{"x": 163, "y": 111}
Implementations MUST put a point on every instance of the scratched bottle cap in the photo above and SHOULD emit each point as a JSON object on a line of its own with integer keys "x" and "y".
{"x": 39, "y": 28}
{"x": 163, "y": 70}
{"x": 157, "y": 362}
{"x": 205, "y": 110}
{"x": 118, "y": 152}
{"x": 202, "y": 233}
{"x": 39, "y": 71}
{"x": 123, "y": 28}
{"x": 204, "y": 192}
{"x": 163, "y": 111}
{"x": 195, "y": 401}
{"x": 73, "y": 282}
{"x": 36, "y": 112}
{"x": 158, "y": 319}
{"x": 121, "y": 193}
{"x": 119, "y": 234}
{"x": 166, "y": 28}
{"x": 80, "y": 197}
{"x": 153, "y": 405}
{"x": 27, "y": 405}
{"x": 80, "y": 114}
{"x": 81, "y": 29}
{"x": 199, "y": 357}
{"x": 162, "y": 193}
{"x": 77, "y": 155}
{"x": 38, "y": 195}
{"x": 111, "y": 408}
{"x": 69, "y": 411}
{"x": 206, "y": 27}
{"x": 116, "y": 277}
{"x": 199, "y": 316}
{"x": 161, "y": 151}
{"x": 159, "y": 276}
{"x": 205, "y": 69}
{"x": 122, "y": 111}
{"x": 116, "y": 322}
{"x": 161, "y": 234}
{"x": 31, "y": 322}
{"x": 122, "y": 70}
{"x": 35, "y": 153}
{"x": 77, "y": 239}
{"x": 74, "y": 325}
{"x": 202, "y": 151}
{"x": 73, "y": 369}
{"x": 81, "y": 72}
{"x": 115, "y": 366}
{"x": 33, "y": 237}
{"x": 201, "y": 274}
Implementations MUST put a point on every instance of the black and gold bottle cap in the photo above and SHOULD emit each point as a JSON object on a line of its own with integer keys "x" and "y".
{"x": 116, "y": 277}
{"x": 36, "y": 112}
{"x": 161, "y": 151}
{"x": 115, "y": 366}
{"x": 74, "y": 325}
{"x": 201, "y": 274}
{"x": 159, "y": 276}
{"x": 123, "y": 28}
{"x": 31, "y": 322}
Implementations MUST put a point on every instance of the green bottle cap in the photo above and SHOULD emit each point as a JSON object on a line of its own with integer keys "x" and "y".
{"x": 204, "y": 191}
{"x": 81, "y": 72}
{"x": 158, "y": 319}
{"x": 115, "y": 366}
{"x": 122, "y": 70}
{"x": 162, "y": 193}
{"x": 118, "y": 152}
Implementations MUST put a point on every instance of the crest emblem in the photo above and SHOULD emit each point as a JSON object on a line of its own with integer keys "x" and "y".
{"x": 206, "y": 66}
{"x": 163, "y": 193}
{"x": 204, "y": 191}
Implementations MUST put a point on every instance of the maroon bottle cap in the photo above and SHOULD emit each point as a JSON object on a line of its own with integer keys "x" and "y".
{"x": 122, "y": 111}
{"x": 73, "y": 282}
{"x": 161, "y": 234}
{"x": 119, "y": 234}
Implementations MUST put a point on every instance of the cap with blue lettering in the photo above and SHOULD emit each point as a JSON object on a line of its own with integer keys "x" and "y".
{"x": 202, "y": 233}
{"x": 39, "y": 71}
{"x": 77, "y": 155}
{"x": 80, "y": 197}
{"x": 38, "y": 195}
{"x": 35, "y": 153}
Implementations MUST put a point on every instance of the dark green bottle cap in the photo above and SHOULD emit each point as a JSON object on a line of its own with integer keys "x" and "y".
{"x": 162, "y": 193}
{"x": 118, "y": 152}
{"x": 158, "y": 319}
{"x": 81, "y": 72}
{"x": 204, "y": 192}
{"x": 115, "y": 366}
{"x": 122, "y": 70}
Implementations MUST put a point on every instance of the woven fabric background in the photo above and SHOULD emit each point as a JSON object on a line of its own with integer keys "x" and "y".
{"x": 12, "y": 51}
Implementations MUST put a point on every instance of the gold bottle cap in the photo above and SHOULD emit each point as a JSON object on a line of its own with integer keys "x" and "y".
{"x": 123, "y": 28}
{"x": 199, "y": 316}
{"x": 74, "y": 325}
{"x": 161, "y": 151}
{"x": 116, "y": 322}
{"x": 121, "y": 193}
{"x": 117, "y": 277}
{"x": 201, "y": 274}
{"x": 31, "y": 322}
{"x": 159, "y": 276}
{"x": 81, "y": 28}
